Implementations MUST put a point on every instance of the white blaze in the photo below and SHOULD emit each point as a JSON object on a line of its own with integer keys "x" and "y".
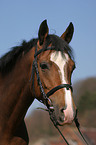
{"x": 60, "y": 61}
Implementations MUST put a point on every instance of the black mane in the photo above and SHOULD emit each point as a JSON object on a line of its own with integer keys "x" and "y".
{"x": 8, "y": 61}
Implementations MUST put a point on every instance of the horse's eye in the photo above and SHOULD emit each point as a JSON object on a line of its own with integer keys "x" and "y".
{"x": 44, "y": 65}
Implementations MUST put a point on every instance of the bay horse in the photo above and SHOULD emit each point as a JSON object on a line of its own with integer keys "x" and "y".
{"x": 55, "y": 65}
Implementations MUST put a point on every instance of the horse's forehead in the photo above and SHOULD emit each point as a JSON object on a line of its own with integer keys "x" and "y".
{"x": 59, "y": 59}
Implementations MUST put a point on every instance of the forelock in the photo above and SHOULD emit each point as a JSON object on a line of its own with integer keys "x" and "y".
{"x": 60, "y": 45}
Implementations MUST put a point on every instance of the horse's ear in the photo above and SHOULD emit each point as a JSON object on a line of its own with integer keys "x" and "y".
{"x": 43, "y": 32}
{"x": 67, "y": 35}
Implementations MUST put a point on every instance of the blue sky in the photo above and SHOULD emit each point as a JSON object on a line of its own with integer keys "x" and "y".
{"x": 20, "y": 20}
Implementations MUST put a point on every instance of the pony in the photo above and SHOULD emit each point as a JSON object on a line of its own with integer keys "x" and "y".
{"x": 19, "y": 87}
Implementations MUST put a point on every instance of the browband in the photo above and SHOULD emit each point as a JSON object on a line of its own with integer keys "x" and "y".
{"x": 42, "y": 50}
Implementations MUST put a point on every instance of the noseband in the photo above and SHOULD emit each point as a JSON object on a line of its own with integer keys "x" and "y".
{"x": 52, "y": 91}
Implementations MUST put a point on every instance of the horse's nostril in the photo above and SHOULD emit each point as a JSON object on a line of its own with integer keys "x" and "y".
{"x": 61, "y": 115}
{"x": 62, "y": 109}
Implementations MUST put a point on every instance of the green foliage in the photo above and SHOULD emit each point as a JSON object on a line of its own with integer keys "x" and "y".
{"x": 87, "y": 102}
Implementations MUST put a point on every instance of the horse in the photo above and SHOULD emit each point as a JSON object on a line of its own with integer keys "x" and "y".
{"x": 49, "y": 82}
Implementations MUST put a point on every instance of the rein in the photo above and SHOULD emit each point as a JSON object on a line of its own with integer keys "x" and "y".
{"x": 52, "y": 91}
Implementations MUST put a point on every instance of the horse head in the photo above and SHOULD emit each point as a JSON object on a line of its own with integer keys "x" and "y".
{"x": 55, "y": 68}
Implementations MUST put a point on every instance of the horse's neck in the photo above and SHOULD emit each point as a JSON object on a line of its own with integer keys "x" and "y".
{"x": 15, "y": 93}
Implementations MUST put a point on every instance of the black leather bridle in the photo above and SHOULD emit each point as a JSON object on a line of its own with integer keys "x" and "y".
{"x": 52, "y": 91}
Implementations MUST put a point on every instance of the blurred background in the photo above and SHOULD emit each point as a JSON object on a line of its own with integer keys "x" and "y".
{"x": 20, "y": 20}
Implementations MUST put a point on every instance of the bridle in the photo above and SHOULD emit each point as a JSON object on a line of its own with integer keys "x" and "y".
{"x": 35, "y": 69}
{"x": 52, "y": 91}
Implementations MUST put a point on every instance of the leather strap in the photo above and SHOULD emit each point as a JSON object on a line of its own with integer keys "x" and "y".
{"x": 67, "y": 86}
